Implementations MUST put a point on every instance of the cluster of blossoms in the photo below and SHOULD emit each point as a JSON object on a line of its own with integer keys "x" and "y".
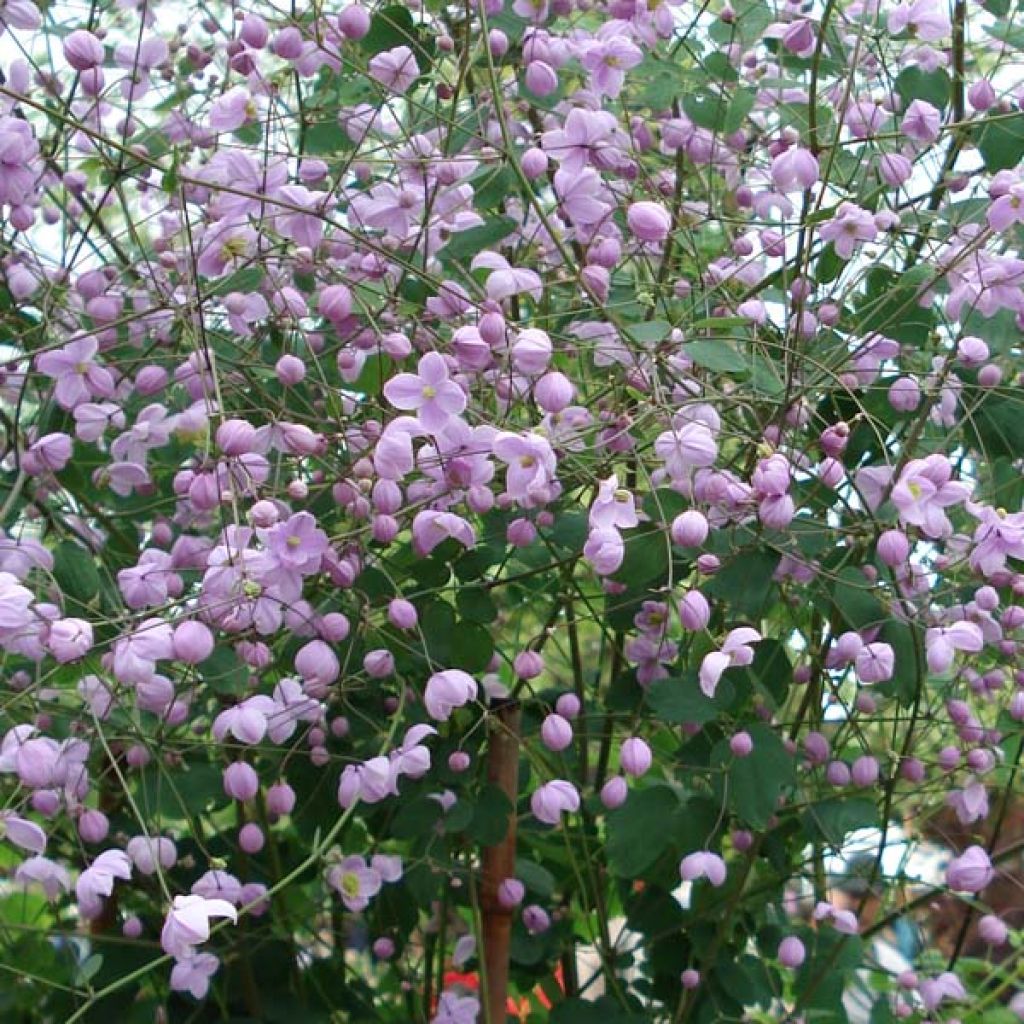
{"x": 651, "y": 370}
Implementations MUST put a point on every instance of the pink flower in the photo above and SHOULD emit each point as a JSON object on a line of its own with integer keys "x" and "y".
{"x": 434, "y": 397}
{"x": 604, "y": 550}
{"x": 971, "y": 871}
{"x": 924, "y": 490}
{"x": 794, "y": 170}
{"x": 531, "y": 467}
{"x": 231, "y": 110}
{"x": 78, "y": 379}
{"x": 430, "y": 528}
{"x": 447, "y": 691}
{"x": 589, "y": 137}
{"x": 150, "y": 854}
{"x": 1008, "y": 209}
{"x": 607, "y": 60}
{"x": 97, "y": 880}
{"x": 922, "y": 122}
{"x": 355, "y": 881}
{"x": 188, "y": 923}
{"x": 554, "y": 799}
{"x": 874, "y": 663}
{"x": 580, "y": 196}
{"x": 22, "y": 833}
{"x": 650, "y": 222}
{"x": 941, "y": 644}
{"x": 703, "y": 865}
{"x": 613, "y": 507}
{"x": 685, "y": 448}
{"x": 970, "y": 803}
{"x": 395, "y": 69}
{"x": 935, "y": 991}
{"x": 735, "y": 651}
{"x": 192, "y": 974}
{"x": 925, "y": 20}
{"x": 850, "y": 226}
{"x": 82, "y": 50}
{"x": 50, "y": 876}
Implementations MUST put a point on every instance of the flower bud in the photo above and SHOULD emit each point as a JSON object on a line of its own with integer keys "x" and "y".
{"x": 689, "y": 529}
{"x": 650, "y": 222}
{"x": 241, "y": 781}
{"x": 556, "y": 733}
{"x": 82, "y": 50}
{"x": 635, "y": 757}
{"x": 791, "y": 952}
{"x": 511, "y": 893}
{"x": 741, "y": 744}
{"x": 992, "y": 930}
{"x": 192, "y": 642}
{"x": 614, "y": 792}
{"x": 250, "y": 838}
{"x": 568, "y": 705}
{"x": 280, "y": 799}
{"x": 893, "y": 548}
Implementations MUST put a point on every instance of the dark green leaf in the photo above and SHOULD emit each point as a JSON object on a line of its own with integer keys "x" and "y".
{"x": 246, "y": 280}
{"x": 75, "y": 572}
{"x": 854, "y": 600}
{"x": 753, "y": 784}
{"x": 1001, "y": 141}
{"x": 325, "y": 137}
{"x": 833, "y": 818}
{"x": 681, "y": 700}
{"x": 466, "y": 244}
{"x": 718, "y": 356}
{"x": 932, "y": 86}
{"x": 225, "y": 671}
{"x": 645, "y": 813}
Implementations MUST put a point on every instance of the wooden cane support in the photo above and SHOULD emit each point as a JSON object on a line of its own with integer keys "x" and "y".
{"x": 499, "y": 861}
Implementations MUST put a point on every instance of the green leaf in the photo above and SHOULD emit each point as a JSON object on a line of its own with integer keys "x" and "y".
{"x": 248, "y": 279}
{"x": 644, "y": 813}
{"x": 493, "y": 186}
{"x": 932, "y": 86}
{"x": 649, "y": 332}
{"x": 833, "y": 818}
{"x": 680, "y": 700}
{"x": 745, "y": 582}
{"x": 855, "y": 601}
{"x": 537, "y": 879}
{"x": 475, "y": 604}
{"x": 908, "y": 664}
{"x": 472, "y": 647}
{"x": 325, "y": 137}
{"x": 648, "y": 550}
{"x": 705, "y": 108}
{"x": 464, "y": 245}
{"x": 602, "y": 1011}
{"x": 416, "y": 819}
{"x": 225, "y": 672}
{"x": 996, "y": 422}
{"x": 718, "y": 356}
{"x": 752, "y": 784}
{"x": 771, "y": 668}
{"x": 393, "y": 26}
{"x": 740, "y": 105}
{"x": 1000, "y": 139}
{"x": 490, "y": 816}
{"x": 76, "y": 572}
{"x": 892, "y": 305}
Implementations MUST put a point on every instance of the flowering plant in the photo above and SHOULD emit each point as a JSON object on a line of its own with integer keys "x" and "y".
{"x": 512, "y": 489}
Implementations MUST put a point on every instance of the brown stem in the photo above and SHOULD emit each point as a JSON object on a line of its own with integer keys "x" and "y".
{"x": 499, "y": 861}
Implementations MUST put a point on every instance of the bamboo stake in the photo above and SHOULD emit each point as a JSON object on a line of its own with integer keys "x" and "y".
{"x": 499, "y": 861}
